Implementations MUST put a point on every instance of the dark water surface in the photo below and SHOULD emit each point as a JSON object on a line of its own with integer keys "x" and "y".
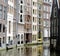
{"x": 38, "y": 50}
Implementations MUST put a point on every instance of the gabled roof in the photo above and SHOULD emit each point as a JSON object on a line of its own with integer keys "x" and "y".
{"x": 54, "y": 4}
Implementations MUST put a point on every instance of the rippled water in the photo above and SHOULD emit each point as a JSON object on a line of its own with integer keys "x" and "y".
{"x": 38, "y": 50}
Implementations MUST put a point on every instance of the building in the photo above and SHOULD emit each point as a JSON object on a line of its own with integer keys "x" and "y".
{"x": 46, "y": 20}
{"x": 24, "y": 21}
{"x": 11, "y": 22}
{"x": 28, "y": 21}
{"x": 54, "y": 27}
{"x": 40, "y": 21}
{"x": 34, "y": 21}
{"x": 3, "y": 17}
{"x": 20, "y": 22}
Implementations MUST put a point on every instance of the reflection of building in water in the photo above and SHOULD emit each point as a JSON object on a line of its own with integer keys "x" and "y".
{"x": 34, "y": 50}
{"x": 46, "y": 52}
{"x": 28, "y": 51}
{"x": 40, "y": 50}
{"x": 3, "y": 53}
{"x": 37, "y": 50}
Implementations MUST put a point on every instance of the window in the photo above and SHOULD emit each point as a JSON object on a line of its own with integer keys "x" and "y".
{"x": 18, "y": 36}
{"x": 55, "y": 12}
{"x": 33, "y": 27}
{"x": 39, "y": 6}
{"x": 21, "y": 42}
{"x": 33, "y": 19}
{"x": 47, "y": 16}
{"x": 34, "y": 11}
{"x": 20, "y": 18}
{"x": 39, "y": 34}
{"x": 9, "y": 39}
{"x": 21, "y": 36}
{"x": 46, "y": 23}
{"x": 0, "y": 27}
{"x": 34, "y": 37}
{"x": 18, "y": 42}
{"x": 0, "y": 11}
{"x": 3, "y": 28}
{"x": 33, "y": 3}
{"x": 39, "y": 21}
{"x": 21, "y": 1}
{"x": 5, "y": 14}
{"x": 3, "y": 39}
{"x": 9, "y": 26}
{"x": 39, "y": 15}
{"x": 21, "y": 11}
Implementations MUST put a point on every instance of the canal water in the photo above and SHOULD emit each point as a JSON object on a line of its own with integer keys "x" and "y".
{"x": 38, "y": 50}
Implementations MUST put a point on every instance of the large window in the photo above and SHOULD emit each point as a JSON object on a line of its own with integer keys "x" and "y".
{"x": 34, "y": 37}
{"x": 21, "y": 10}
{"x": 34, "y": 3}
{"x": 39, "y": 34}
{"x": 5, "y": 14}
{"x": 34, "y": 27}
{"x": 21, "y": 18}
{"x": 0, "y": 11}
{"x": 34, "y": 11}
{"x": 3, "y": 39}
{"x": 46, "y": 8}
{"x": 21, "y": 1}
{"x": 9, "y": 26}
{"x": 55, "y": 12}
{"x": 21, "y": 36}
{"x": 34, "y": 19}
{"x": 3, "y": 28}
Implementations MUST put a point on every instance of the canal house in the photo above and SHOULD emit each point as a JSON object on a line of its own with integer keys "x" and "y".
{"x": 55, "y": 26}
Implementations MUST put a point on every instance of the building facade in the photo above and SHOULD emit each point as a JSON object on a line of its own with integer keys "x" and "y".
{"x": 24, "y": 21}
{"x": 28, "y": 21}
{"x": 34, "y": 21}
{"x": 11, "y": 22}
{"x": 3, "y": 17}
{"x": 46, "y": 19}
{"x": 40, "y": 20}
{"x": 54, "y": 27}
{"x": 20, "y": 22}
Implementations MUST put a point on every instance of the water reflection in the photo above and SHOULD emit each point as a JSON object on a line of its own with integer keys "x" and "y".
{"x": 27, "y": 51}
{"x": 55, "y": 53}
